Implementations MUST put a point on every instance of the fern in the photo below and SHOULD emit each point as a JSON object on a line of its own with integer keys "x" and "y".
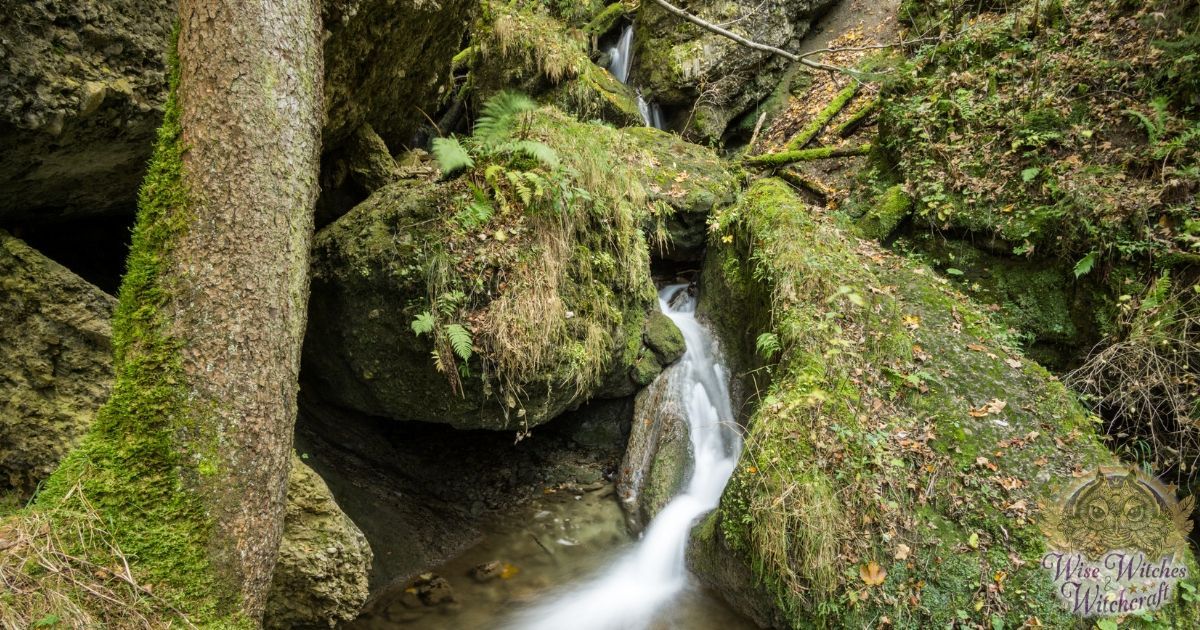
{"x": 499, "y": 114}
{"x": 423, "y": 324}
{"x": 767, "y": 345}
{"x": 536, "y": 150}
{"x": 460, "y": 341}
{"x": 451, "y": 156}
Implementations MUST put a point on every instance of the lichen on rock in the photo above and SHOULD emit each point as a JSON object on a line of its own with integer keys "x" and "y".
{"x": 324, "y": 560}
{"x": 56, "y": 341}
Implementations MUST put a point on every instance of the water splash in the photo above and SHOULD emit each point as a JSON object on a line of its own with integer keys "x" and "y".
{"x": 629, "y": 593}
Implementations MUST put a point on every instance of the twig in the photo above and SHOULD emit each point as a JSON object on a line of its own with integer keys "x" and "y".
{"x": 757, "y": 128}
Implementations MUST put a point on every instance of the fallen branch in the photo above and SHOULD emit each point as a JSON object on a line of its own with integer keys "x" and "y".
{"x": 856, "y": 119}
{"x": 802, "y": 59}
{"x": 747, "y": 42}
{"x": 806, "y": 155}
{"x": 806, "y": 135}
{"x": 811, "y": 184}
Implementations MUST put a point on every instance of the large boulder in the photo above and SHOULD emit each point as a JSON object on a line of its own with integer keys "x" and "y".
{"x": 659, "y": 452}
{"x": 324, "y": 560}
{"x": 459, "y": 302}
{"x": 709, "y": 79}
{"x": 84, "y": 83}
{"x": 896, "y": 430}
{"x": 57, "y": 369}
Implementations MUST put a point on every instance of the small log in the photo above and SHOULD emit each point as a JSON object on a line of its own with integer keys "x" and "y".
{"x": 806, "y": 135}
{"x": 856, "y": 119}
{"x": 811, "y": 184}
{"x": 805, "y": 155}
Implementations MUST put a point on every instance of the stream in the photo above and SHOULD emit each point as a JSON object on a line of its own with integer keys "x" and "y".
{"x": 635, "y": 590}
{"x": 566, "y": 560}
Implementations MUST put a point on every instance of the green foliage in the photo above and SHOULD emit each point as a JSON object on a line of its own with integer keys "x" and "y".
{"x": 767, "y": 345}
{"x": 1085, "y": 264}
{"x": 460, "y": 341}
{"x": 423, "y": 324}
{"x": 501, "y": 115}
{"x": 451, "y": 156}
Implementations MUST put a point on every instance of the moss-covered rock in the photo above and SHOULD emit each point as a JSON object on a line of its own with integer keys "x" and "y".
{"x": 538, "y": 54}
{"x": 57, "y": 369}
{"x": 324, "y": 560}
{"x": 385, "y": 60}
{"x": 685, "y": 182}
{"x": 896, "y": 430}
{"x": 663, "y": 337}
{"x": 658, "y": 454}
{"x": 676, "y": 62}
{"x": 886, "y": 214}
{"x": 547, "y": 293}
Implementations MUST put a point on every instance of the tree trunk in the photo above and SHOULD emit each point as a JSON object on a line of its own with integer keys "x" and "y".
{"x": 250, "y": 115}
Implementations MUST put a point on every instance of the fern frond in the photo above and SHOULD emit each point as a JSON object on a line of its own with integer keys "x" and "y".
{"x": 423, "y": 324}
{"x": 499, "y": 114}
{"x": 767, "y": 345}
{"x": 451, "y": 155}
{"x": 460, "y": 340}
{"x": 534, "y": 149}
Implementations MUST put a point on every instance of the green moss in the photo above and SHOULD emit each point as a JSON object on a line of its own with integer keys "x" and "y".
{"x": 870, "y": 434}
{"x": 607, "y": 19}
{"x": 886, "y": 214}
{"x": 664, "y": 338}
{"x": 805, "y": 155}
{"x": 131, "y": 466}
{"x": 800, "y": 140}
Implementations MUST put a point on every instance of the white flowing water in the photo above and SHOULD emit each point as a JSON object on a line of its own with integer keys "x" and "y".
{"x": 621, "y": 55}
{"x": 651, "y": 113}
{"x": 620, "y": 61}
{"x": 630, "y": 592}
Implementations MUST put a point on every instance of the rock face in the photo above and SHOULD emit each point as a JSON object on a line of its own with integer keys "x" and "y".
{"x": 894, "y": 415}
{"x": 409, "y": 45}
{"x": 85, "y": 83}
{"x": 57, "y": 368}
{"x": 677, "y": 62}
{"x": 574, "y": 291}
{"x": 81, "y": 98}
{"x": 324, "y": 560}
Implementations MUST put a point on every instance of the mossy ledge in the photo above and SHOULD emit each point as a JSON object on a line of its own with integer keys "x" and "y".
{"x": 127, "y": 486}
{"x": 881, "y": 439}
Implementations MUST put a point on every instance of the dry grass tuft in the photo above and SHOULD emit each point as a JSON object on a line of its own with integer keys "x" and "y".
{"x": 1146, "y": 381}
{"x": 47, "y": 583}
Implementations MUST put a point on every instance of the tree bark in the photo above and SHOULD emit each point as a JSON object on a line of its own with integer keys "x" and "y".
{"x": 251, "y": 114}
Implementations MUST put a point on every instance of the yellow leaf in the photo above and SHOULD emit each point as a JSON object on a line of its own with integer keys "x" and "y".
{"x": 902, "y": 551}
{"x": 872, "y": 574}
{"x": 508, "y": 570}
{"x": 973, "y": 541}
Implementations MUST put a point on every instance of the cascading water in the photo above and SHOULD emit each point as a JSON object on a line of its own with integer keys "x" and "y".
{"x": 621, "y": 55}
{"x": 653, "y": 572}
{"x": 620, "y": 61}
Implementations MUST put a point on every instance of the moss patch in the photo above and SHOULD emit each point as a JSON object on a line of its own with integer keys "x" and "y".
{"x": 895, "y": 416}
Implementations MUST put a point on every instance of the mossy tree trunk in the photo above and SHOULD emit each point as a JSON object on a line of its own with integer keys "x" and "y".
{"x": 187, "y": 464}
{"x": 250, "y": 119}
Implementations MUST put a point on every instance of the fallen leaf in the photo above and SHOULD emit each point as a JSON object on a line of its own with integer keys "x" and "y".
{"x": 872, "y": 574}
{"x": 902, "y": 551}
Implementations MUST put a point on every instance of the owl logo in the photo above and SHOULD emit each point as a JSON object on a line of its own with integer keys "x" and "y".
{"x": 1119, "y": 509}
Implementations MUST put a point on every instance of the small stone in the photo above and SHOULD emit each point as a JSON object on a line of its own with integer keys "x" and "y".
{"x": 487, "y": 571}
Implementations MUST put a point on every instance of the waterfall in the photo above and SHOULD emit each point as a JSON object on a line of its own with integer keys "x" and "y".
{"x": 651, "y": 113}
{"x": 621, "y": 55}
{"x": 629, "y": 592}
{"x": 620, "y": 61}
